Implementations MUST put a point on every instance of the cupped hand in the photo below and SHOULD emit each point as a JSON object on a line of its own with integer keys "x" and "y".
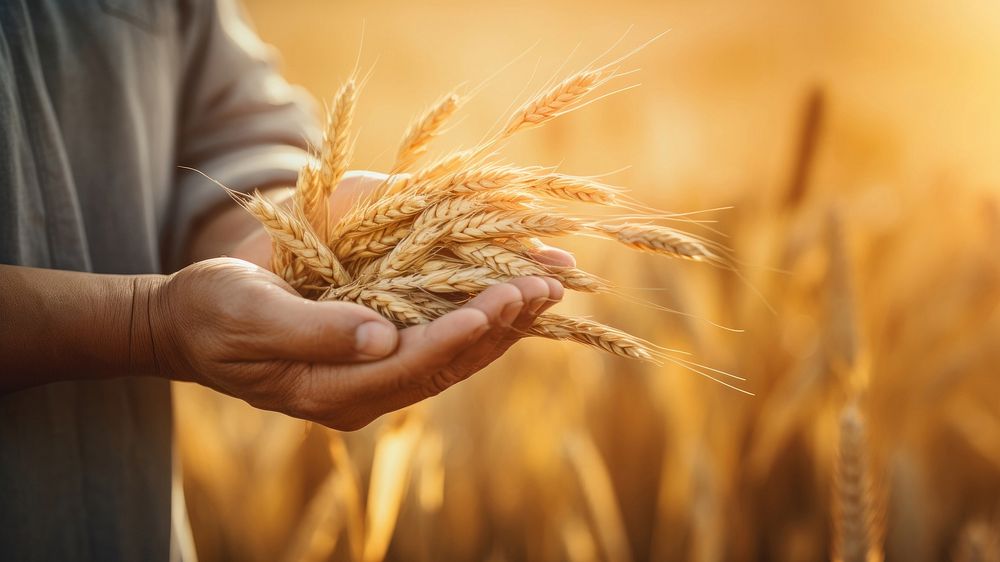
{"x": 235, "y": 327}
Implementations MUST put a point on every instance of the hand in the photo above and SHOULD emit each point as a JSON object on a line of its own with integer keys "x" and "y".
{"x": 235, "y": 327}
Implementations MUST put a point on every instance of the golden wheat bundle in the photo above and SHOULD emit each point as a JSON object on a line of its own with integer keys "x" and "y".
{"x": 435, "y": 236}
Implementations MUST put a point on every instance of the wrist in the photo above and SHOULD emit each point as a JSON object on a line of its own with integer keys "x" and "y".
{"x": 145, "y": 352}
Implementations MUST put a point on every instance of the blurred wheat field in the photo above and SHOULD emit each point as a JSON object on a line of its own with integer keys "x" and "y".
{"x": 854, "y": 143}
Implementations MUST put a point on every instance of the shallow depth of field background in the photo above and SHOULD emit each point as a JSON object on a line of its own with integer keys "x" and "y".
{"x": 858, "y": 144}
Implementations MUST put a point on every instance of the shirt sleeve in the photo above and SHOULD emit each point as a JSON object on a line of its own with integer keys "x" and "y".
{"x": 240, "y": 123}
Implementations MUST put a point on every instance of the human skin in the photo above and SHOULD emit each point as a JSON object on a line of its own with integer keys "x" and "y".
{"x": 231, "y": 325}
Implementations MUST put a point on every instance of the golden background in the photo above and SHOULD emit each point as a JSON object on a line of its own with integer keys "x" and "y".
{"x": 856, "y": 144}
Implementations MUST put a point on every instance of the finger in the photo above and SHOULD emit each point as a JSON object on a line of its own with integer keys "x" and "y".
{"x": 556, "y": 294}
{"x": 522, "y": 297}
{"x": 553, "y": 294}
{"x": 420, "y": 367}
{"x": 350, "y": 397}
{"x": 537, "y": 292}
{"x": 324, "y": 331}
{"x": 514, "y": 319}
{"x": 549, "y": 255}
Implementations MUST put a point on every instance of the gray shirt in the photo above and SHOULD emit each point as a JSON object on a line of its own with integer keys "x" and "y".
{"x": 100, "y": 101}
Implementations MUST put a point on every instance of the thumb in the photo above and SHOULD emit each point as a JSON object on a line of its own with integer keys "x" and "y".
{"x": 328, "y": 331}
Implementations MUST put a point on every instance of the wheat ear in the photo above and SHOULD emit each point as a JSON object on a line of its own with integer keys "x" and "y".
{"x": 423, "y": 130}
{"x": 590, "y": 333}
{"x": 511, "y": 264}
{"x": 556, "y": 101}
{"x": 335, "y": 153}
{"x": 297, "y": 238}
{"x": 655, "y": 239}
{"x": 852, "y": 498}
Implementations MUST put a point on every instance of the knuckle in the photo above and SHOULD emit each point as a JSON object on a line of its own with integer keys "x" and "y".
{"x": 534, "y": 286}
{"x": 555, "y": 288}
{"x": 509, "y": 291}
{"x": 439, "y": 381}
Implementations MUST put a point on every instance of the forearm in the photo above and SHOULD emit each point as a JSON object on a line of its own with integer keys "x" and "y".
{"x": 63, "y": 325}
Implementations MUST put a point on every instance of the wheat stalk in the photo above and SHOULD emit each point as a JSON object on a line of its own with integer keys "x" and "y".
{"x": 425, "y": 242}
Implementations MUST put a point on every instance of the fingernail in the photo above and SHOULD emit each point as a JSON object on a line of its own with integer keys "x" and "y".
{"x": 510, "y": 312}
{"x": 537, "y": 305}
{"x": 375, "y": 339}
